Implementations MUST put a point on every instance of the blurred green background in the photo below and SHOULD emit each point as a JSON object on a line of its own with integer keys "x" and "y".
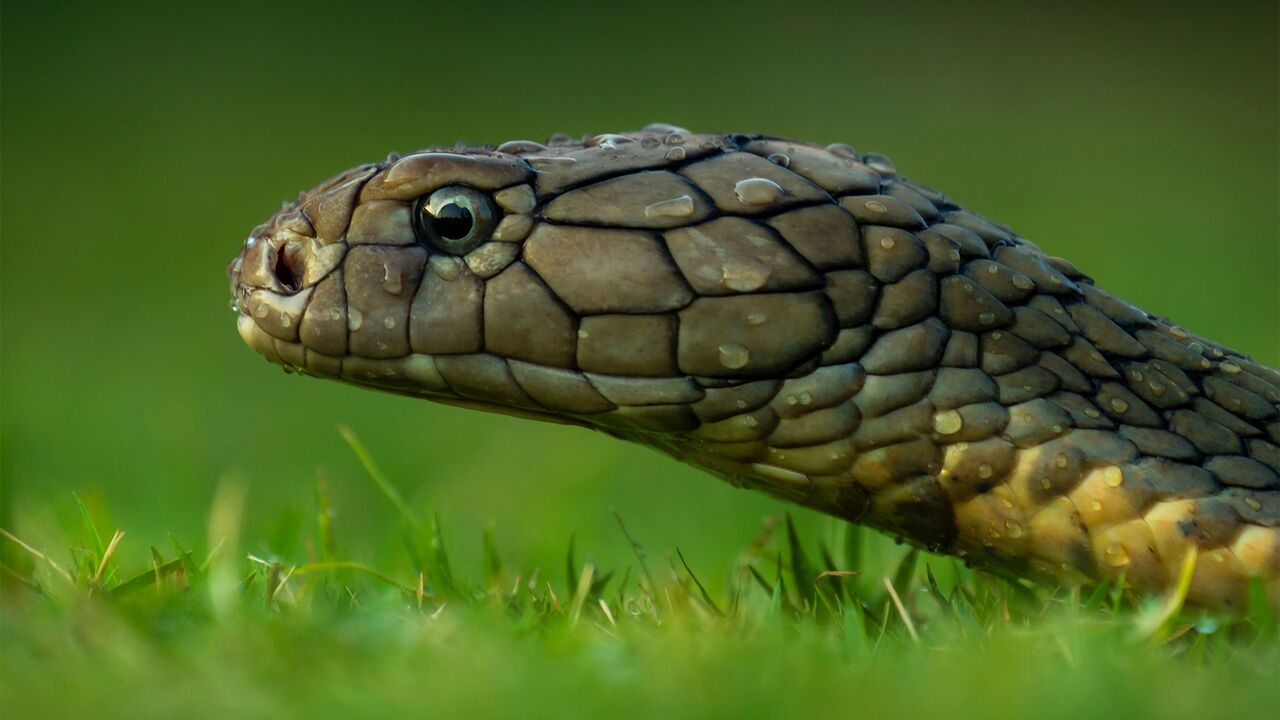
{"x": 141, "y": 141}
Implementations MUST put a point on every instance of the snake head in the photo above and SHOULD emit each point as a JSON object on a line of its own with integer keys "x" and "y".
{"x": 607, "y": 281}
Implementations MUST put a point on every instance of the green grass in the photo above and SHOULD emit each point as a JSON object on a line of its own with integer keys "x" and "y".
{"x": 847, "y": 623}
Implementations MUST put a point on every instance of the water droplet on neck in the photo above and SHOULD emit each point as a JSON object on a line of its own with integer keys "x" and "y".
{"x": 949, "y": 422}
{"x": 734, "y": 356}
{"x": 1117, "y": 556}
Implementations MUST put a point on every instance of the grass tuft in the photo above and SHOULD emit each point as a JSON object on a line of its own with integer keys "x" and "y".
{"x": 795, "y": 628}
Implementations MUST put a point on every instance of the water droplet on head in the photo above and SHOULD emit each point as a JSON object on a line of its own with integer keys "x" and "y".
{"x": 733, "y": 355}
{"x": 1230, "y": 368}
{"x": 392, "y": 279}
{"x": 1113, "y": 476}
{"x": 1096, "y": 505}
{"x": 987, "y": 318}
{"x": 751, "y": 421}
{"x": 1179, "y": 332}
{"x": 985, "y": 471}
{"x": 1252, "y": 503}
{"x": 779, "y": 159}
{"x": 389, "y": 323}
{"x": 806, "y": 398}
{"x": 649, "y": 142}
{"x": 261, "y": 310}
{"x": 286, "y": 320}
{"x": 1013, "y": 528}
{"x": 1060, "y": 460}
{"x": 676, "y": 207}
{"x": 887, "y": 243}
{"x": 675, "y": 154}
{"x": 757, "y": 191}
{"x": 1119, "y": 405}
{"x": 355, "y": 319}
{"x": 1022, "y": 282}
{"x": 875, "y": 206}
{"x": 757, "y": 318}
{"x": 844, "y": 151}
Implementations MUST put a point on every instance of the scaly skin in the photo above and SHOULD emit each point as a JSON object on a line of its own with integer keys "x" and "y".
{"x": 799, "y": 320}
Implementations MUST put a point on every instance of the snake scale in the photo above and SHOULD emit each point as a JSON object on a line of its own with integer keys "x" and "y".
{"x": 796, "y": 319}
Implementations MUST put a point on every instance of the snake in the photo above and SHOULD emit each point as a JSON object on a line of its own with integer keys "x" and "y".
{"x": 798, "y": 319}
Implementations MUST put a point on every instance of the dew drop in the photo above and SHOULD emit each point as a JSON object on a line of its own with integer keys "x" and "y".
{"x": 677, "y": 207}
{"x": 757, "y": 191}
{"x": 649, "y": 142}
{"x": 1179, "y": 332}
{"x": 1060, "y": 460}
{"x": 1119, "y": 405}
{"x": 992, "y": 269}
{"x": 1113, "y": 476}
{"x": 985, "y": 471}
{"x": 392, "y": 280}
{"x": 806, "y": 398}
{"x": 1022, "y": 282}
{"x": 733, "y": 355}
{"x": 948, "y": 423}
{"x": 1117, "y": 556}
{"x": 987, "y": 318}
{"x": 261, "y": 310}
{"x": 751, "y": 421}
{"x": 355, "y": 319}
{"x": 389, "y": 323}
{"x": 780, "y": 159}
{"x": 1230, "y": 368}
{"x": 844, "y": 151}
{"x": 1092, "y": 412}
{"x": 742, "y": 404}
{"x": 1156, "y": 388}
{"x": 875, "y": 206}
{"x": 675, "y": 154}
{"x": 757, "y": 318}
{"x": 1014, "y": 529}
{"x": 744, "y": 274}
{"x": 1096, "y": 505}
{"x": 887, "y": 243}
{"x": 1252, "y": 503}
{"x": 286, "y": 320}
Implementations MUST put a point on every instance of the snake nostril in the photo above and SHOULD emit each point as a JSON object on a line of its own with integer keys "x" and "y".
{"x": 289, "y": 268}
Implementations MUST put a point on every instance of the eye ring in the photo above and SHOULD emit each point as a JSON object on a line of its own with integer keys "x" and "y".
{"x": 454, "y": 219}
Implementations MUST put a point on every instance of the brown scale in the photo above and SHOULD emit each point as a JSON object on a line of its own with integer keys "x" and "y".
{"x": 796, "y": 319}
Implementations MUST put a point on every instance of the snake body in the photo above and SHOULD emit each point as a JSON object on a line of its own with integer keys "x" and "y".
{"x": 796, "y": 319}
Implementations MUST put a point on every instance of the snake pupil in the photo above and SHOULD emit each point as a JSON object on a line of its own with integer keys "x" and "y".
{"x": 453, "y": 222}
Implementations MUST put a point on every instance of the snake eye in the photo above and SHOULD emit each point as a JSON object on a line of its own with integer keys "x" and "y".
{"x": 454, "y": 219}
